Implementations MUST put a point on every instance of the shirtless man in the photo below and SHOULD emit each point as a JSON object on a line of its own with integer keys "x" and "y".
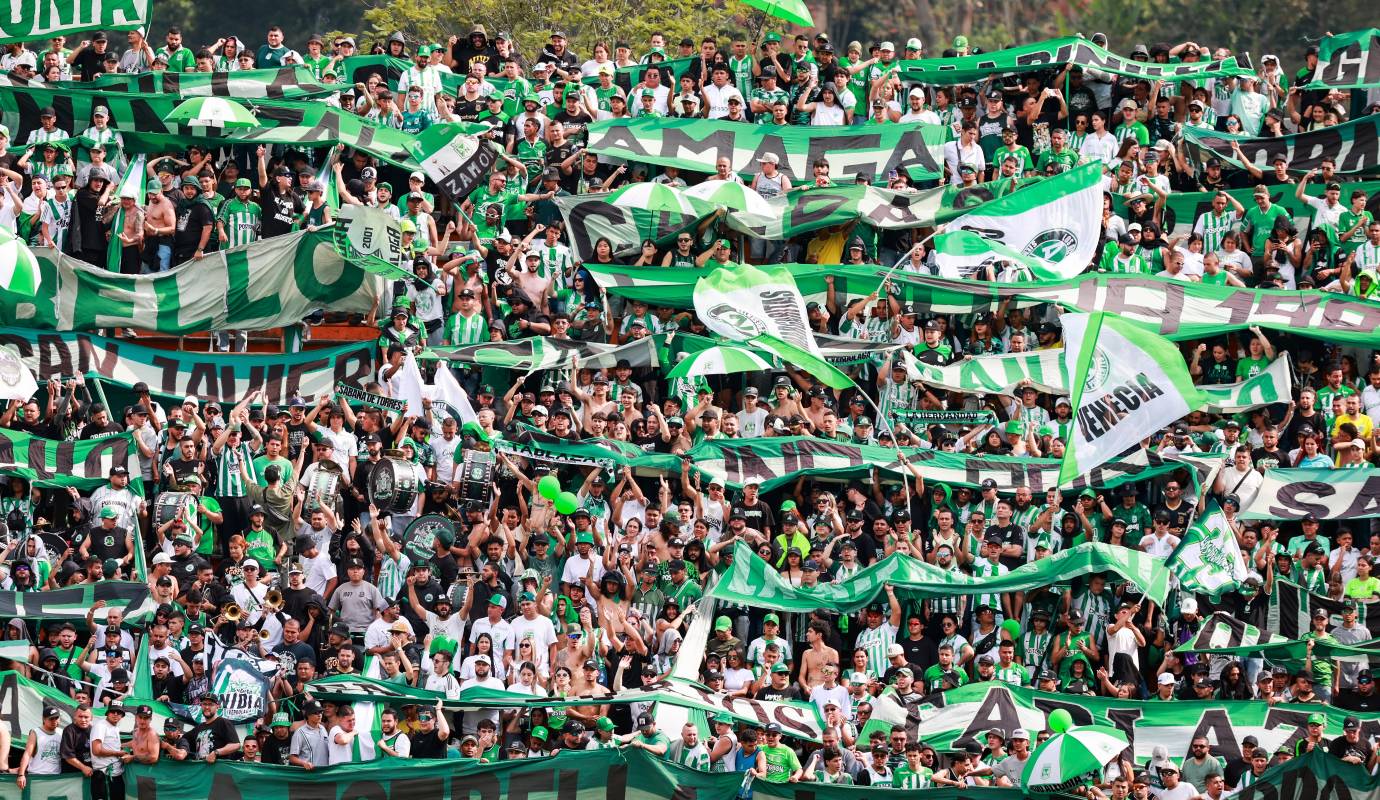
{"x": 816, "y": 656}
{"x": 525, "y": 267}
{"x": 782, "y": 404}
{"x": 160, "y": 220}
{"x": 145, "y": 741}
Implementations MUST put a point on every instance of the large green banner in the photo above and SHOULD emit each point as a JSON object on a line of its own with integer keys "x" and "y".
{"x": 1344, "y": 61}
{"x": 267, "y": 284}
{"x": 777, "y": 460}
{"x": 870, "y": 150}
{"x": 28, "y": 20}
{"x": 601, "y": 774}
{"x": 1055, "y": 54}
{"x": 286, "y": 83}
{"x": 965, "y": 714}
{"x": 224, "y": 377}
{"x": 48, "y": 462}
{"x": 1182, "y": 209}
{"x": 1353, "y": 145}
{"x": 752, "y": 581}
{"x": 1324, "y": 493}
{"x": 139, "y": 118}
{"x": 1173, "y": 309}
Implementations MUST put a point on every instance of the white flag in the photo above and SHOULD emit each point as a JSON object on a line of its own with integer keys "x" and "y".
{"x": 410, "y": 386}
{"x": 447, "y": 390}
{"x": 1127, "y": 383}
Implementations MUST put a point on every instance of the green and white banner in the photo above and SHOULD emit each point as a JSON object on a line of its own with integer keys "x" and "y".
{"x": 1324, "y": 493}
{"x": 1345, "y": 62}
{"x": 1208, "y": 558}
{"x": 1044, "y": 369}
{"x": 1053, "y": 225}
{"x": 1126, "y": 383}
{"x": 285, "y": 83}
{"x": 538, "y": 353}
{"x": 752, "y": 581}
{"x": 1173, "y": 309}
{"x": 1354, "y": 145}
{"x": 140, "y": 120}
{"x": 370, "y": 239}
{"x": 871, "y": 150}
{"x": 1055, "y": 53}
{"x": 22, "y": 710}
{"x": 917, "y": 417}
{"x": 965, "y": 714}
{"x": 29, "y": 20}
{"x": 267, "y": 284}
{"x": 173, "y": 374}
{"x": 778, "y": 460}
{"x": 761, "y": 307}
{"x": 74, "y": 602}
{"x": 799, "y": 719}
{"x": 48, "y": 462}
{"x": 453, "y": 158}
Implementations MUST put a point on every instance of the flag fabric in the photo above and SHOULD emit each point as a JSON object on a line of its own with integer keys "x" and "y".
{"x": 1222, "y": 629}
{"x": 213, "y": 112}
{"x": 19, "y": 271}
{"x": 1051, "y": 228}
{"x": 371, "y": 240}
{"x": 450, "y": 398}
{"x": 16, "y": 380}
{"x": 410, "y": 386}
{"x": 1345, "y": 61}
{"x": 453, "y": 157}
{"x": 131, "y": 186}
{"x": 761, "y": 307}
{"x": 721, "y": 360}
{"x": 964, "y": 253}
{"x": 1127, "y": 383}
{"x": 1208, "y": 558}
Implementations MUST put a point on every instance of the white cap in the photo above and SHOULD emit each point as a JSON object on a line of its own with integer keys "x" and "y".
{"x": 895, "y": 650}
{"x": 917, "y": 92}
{"x": 1189, "y": 606}
{"x": 886, "y": 46}
{"x": 162, "y": 558}
{"x": 1020, "y": 733}
{"x": 914, "y": 44}
{"x": 191, "y": 398}
{"x": 1165, "y": 679}
{"x": 1134, "y": 227}
{"x": 539, "y": 409}
{"x": 769, "y": 158}
{"x": 418, "y": 174}
{"x": 504, "y": 235}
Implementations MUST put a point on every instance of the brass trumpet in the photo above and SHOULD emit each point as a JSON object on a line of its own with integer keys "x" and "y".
{"x": 232, "y": 612}
{"x": 273, "y": 601}
{"x": 264, "y": 635}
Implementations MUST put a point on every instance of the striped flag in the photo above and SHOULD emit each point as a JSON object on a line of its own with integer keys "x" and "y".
{"x": 1224, "y": 630}
{"x": 1208, "y": 558}
{"x": 131, "y": 186}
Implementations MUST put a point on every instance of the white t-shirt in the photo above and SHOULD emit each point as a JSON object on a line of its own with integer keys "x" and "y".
{"x": 542, "y": 633}
{"x": 109, "y": 735}
{"x": 339, "y": 753}
{"x": 718, "y": 99}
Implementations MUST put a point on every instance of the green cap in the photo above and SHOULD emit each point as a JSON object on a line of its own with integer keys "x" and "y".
{"x": 779, "y": 667}
{"x": 407, "y": 226}
{"x": 773, "y": 36}
{"x": 648, "y": 93}
{"x": 723, "y": 624}
{"x": 584, "y": 537}
{"x": 109, "y": 512}
{"x": 1015, "y": 426}
{"x": 789, "y": 505}
{"x": 1043, "y": 542}
{"x": 604, "y": 724}
{"x": 771, "y": 617}
{"x": 281, "y": 720}
{"x": 527, "y": 597}
{"x": 498, "y": 600}
{"x": 657, "y": 51}
{"x": 960, "y": 42}
{"x": 539, "y": 733}
{"x": 1088, "y": 493}
{"x": 61, "y": 170}
{"x": 384, "y": 185}
{"x": 1317, "y": 719}
{"x": 726, "y": 719}
{"x": 724, "y": 243}
{"x": 1044, "y": 430}
{"x": 153, "y": 186}
{"x": 243, "y": 183}
{"x": 424, "y": 50}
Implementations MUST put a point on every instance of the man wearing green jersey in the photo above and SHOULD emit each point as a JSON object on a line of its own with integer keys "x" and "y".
{"x": 240, "y": 218}
{"x": 783, "y": 765}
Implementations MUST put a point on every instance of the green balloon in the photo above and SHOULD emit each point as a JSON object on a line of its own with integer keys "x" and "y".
{"x": 1060, "y": 720}
{"x": 549, "y": 487}
{"x": 566, "y": 503}
{"x": 1012, "y": 627}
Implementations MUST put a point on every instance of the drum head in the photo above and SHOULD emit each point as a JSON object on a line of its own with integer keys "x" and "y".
{"x": 418, "y": 538}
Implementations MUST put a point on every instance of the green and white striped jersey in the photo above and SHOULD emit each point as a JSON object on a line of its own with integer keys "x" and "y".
{"x": 462, "y": 330}
{"x": 1214, "y": 228}
{"x": 875, "y": 642}
{"x": 696, "y": 757}
{"x": 229, "y": 480}
{"x": 986, "y": 569}
{"x": 1367, "y": 257}
{"x": 242, "y": 220}
{"x": 1016, "y": 674}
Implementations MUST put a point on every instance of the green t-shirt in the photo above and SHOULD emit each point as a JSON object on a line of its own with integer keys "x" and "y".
{"x": 208, "y": 531}
{"x": 1250, "y": 367}
{"x": 262, "y": 548}
{"x": 782, "y": 763}
{"x": 1261, "y": 223}
{"x": 1136, "y": 130}
{"x": 903, "y": 777}
{"x": 284, "y": 466}
{"x": 657, "y": 738}
{"x": 1363, "y": 589}
{"x": 181, "y": 60}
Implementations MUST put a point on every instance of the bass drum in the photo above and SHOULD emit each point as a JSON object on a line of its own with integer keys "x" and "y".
{"x": 477, "y": 479}
{"x": 418, "y": 537}
{"x": 324, "y": 489}
{"x": 395, "y": 483}
{"x": 171, "y": 505}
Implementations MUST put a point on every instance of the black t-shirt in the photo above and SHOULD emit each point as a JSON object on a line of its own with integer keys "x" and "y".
{"x": 556, "y": 155}
{"x": 427, "y": 745}
{"x": 468, "y": 110}
{"x": 867, "y": 548}
{"x": 280, "y": 210}
{"x": 922, "y": 652}
{"x": 93, "y": 431}
{"x": 185, "y": 570}
{"x": 213, "y": 735}
{"x": 108, "y": 543}
{"x": 1352, "y": 700}
{"x": 193, "y": 217}
{"x": 183, "y": 467}
{"x": 297, "y": 434}
{"x": 758, "y": 515}
{"x": 1178, "y": 517}
{"x": 88, "y": 63}
{"x": 42, "y": 429}
{"x": 1010, "y": 534}
{"x": 1341, "y": 748}
{"x": 791, "y": 692}
{"x": 275, "y": 750}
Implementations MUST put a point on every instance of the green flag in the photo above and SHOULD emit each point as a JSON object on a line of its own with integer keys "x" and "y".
{"x": 1344, "y": 61}
{"x": 1127, "y": 383}
{"x": 1208, "y": 558}
{"x": 1052, "y": 226}
{"x": 761, "y": 307}
{"x": 131, "y": 186}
